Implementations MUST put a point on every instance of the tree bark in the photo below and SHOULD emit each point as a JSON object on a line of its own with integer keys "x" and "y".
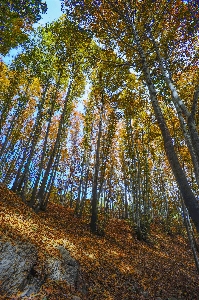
{"x": 190, "y": 200}
{"x": 56, "y": 145}
{"x": 94, "y": 202}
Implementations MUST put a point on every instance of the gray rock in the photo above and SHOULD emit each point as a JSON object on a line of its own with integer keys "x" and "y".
{"x": 16, "y": 263}
{"x": 17, "y": 273}
{"x": 145, "y": 294}
{"x": 65, "y": 269}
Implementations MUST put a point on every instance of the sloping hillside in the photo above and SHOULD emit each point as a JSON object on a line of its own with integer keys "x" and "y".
{"x": 116, "y": 266}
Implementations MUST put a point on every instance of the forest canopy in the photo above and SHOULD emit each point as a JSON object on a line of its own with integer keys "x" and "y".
{"x": 99, "y": 111}
{"x": 17, "y": 18}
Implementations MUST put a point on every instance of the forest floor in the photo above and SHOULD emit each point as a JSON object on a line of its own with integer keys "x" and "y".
{"x": 116, "y": 266}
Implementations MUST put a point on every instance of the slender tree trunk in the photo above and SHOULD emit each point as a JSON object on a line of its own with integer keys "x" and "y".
{"x": 55, "y": 147}
{"x": 94, "y": 202}
{"x": 8, "y": 134}
{"x": 77, "y": 206}
{"x": 36, "y": 133}
{"x": 41, "y": 164}
{"x": 84, "y": 193}
{"x": 195, "y": 161}
{"x": 15, "y": 119}
{"x": 17, "y": 184}
{"x": 194, "y": 137}
{"x": 8, "y": 104}
{"x": 190, "y": 236}
{"x": 45, "y": 199}
{"x": 189, "y": 198}
{"x": 125, "y": 200}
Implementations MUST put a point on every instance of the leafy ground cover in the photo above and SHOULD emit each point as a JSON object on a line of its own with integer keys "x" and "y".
{"x": 115, "y": 266}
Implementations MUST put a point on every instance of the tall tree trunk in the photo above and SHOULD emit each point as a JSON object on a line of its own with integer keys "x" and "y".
{"x": 94, "y": 201}
{"x": 190, "y": 200}
{"x": 190, "y": 236}
{"x": 55, "y": 147}
{"x": 20, "y": 177}
{"x": 84, "y": 193}
{"x": 46, "y": 196}
{"x": 194, "y": 137}
{"x": 36, "y": 133}
{"x": 38, "y": 175}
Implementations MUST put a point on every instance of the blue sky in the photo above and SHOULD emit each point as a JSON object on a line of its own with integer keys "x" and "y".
{"x": 53, "y": 12}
